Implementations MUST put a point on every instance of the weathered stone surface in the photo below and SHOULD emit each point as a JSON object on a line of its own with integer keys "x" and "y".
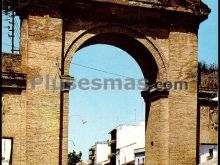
{"x": 11, "y": 63}
{"x": 208, "y": 135}
{"x": 14, "y": 123}
{"x": 163, "y": 41}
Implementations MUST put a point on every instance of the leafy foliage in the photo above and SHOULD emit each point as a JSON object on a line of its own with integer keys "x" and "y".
{"x": 208, "y": 75}
{"x": 207, "y": 68}
{"x": 74, "y": 158}
{"x": 8, "y": 5}
{"x": 12, "y": 5}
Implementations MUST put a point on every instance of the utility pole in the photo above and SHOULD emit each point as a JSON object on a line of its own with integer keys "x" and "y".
{"x": 13, "y": 32}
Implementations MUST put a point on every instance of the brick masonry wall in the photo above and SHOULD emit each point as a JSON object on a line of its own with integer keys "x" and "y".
{"x": 14, "y": 124}
{"x": 14, "y": 111}
{"x": 11, "y": 62}
{"x": 41, "y": 48}
{"x": 207, "y": 134}
{"x": 157, "y": 133}
{"x": 183, "y": 104}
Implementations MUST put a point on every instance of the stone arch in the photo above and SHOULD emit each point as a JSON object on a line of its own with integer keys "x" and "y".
{"x": 99, "y": 34}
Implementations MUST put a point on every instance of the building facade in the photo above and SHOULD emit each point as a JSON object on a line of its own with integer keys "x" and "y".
{"x": 208, "y": 116}
{"x": 98, "y": 154}
{"x": 125, "y": 139}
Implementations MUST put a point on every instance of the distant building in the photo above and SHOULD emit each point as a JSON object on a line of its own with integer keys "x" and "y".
{"x": 98, "y": 154}
{"x": 124, "y": 140}
{"x": 208, "y": 106}
{"x": 208, "y": 152}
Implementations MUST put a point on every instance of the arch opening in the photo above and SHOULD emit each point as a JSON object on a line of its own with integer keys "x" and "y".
{"x": 137, "y": 50}
{"x": 103, "y": 106}
{"x": 146, "y": 55}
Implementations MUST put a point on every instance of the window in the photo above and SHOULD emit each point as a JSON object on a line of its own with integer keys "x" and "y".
{"x": 210, "y": 154}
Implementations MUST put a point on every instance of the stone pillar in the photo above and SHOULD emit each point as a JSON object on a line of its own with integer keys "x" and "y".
{"x": 67, "y": 82}
{"x": 182, "y": 102}
{"x": 157, "y": 127}
{"x": 65, "y": 128}
{"x": 171, "y": 126}
{"x": 41, "y": 49}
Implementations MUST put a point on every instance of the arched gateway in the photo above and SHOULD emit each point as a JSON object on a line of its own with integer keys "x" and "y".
{"x": 160, "y": 35}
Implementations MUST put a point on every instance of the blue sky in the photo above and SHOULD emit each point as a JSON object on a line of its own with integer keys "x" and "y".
{"x": 105, "y": 109}
{"x": 6, "y": 40}
{"x": 208, "y": 35}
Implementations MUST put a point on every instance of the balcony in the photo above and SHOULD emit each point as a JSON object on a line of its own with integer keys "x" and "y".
{"x": 111, "y": 155}
{"x": 111, "y": 142}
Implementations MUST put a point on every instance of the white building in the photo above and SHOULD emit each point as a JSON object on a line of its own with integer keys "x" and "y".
{"x": 98, "y": 154}
{"x": 129, "y": 138}
{"x": 208, "y": 153}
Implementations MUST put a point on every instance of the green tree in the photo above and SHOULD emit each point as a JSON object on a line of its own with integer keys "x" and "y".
{"x": 13, "y": 5}
{"x": 74, "y": 158}
{"x": 7, "y": 5}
